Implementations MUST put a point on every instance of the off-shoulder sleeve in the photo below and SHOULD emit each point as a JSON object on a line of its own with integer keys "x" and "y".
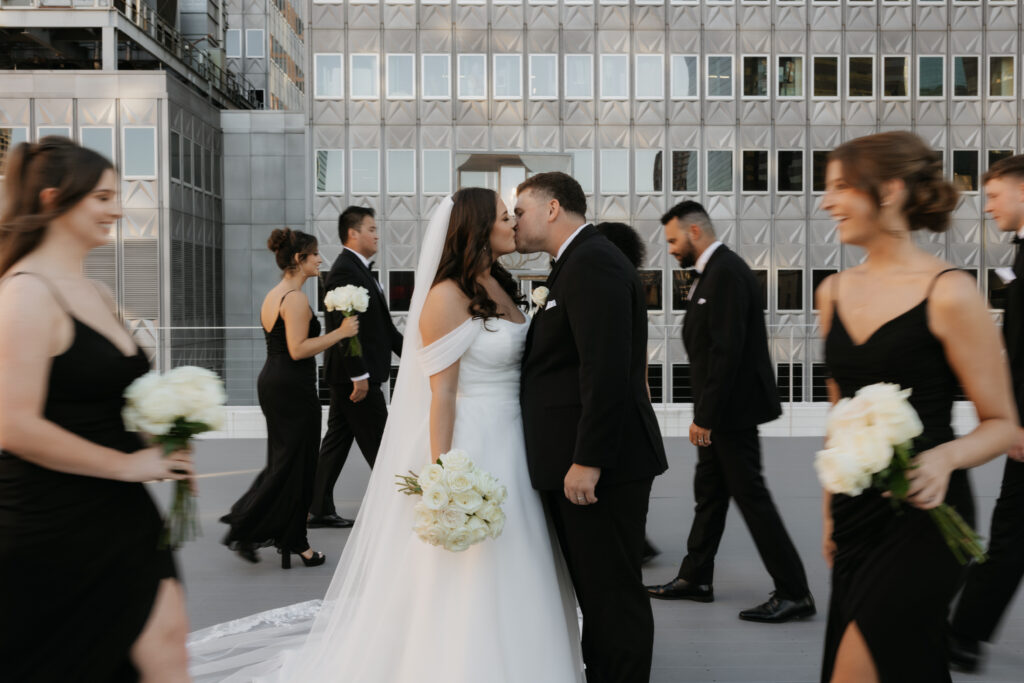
{"x": 449, "y": 348}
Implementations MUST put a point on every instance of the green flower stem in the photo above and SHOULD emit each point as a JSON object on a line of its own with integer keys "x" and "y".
{"x": 353, "y": 347}
{"x": 182, "y": 523}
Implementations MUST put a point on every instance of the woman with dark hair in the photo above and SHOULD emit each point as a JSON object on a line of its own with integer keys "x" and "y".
{"x": 400, "y": 610}
{"x": 87, "y": 594}
{"x": 906, "y": 317}
{"x": 626, "y": 239}
{"x": 273, "y": 510}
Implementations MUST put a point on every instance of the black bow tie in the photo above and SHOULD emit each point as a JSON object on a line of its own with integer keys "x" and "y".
{"x": 1017, "y": 239}
{"x": 551, "y": 263}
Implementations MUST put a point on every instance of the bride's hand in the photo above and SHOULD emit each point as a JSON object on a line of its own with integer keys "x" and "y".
{"x": 929, "y": 478}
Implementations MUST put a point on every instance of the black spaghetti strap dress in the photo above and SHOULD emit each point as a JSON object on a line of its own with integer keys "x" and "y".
{"x": 273, "y": 510}
{"x": 79, "y": 558}
{"x": 893, "y": 573}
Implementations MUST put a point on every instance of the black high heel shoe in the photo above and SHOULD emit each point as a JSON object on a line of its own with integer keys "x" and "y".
{"x": 248, "y": 553}
{"x": 286, "y": 558}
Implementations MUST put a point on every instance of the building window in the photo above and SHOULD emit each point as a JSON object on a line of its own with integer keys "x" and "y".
{"x": 437, "y": 84}
{"x": 682, "y": 282}
{"x": 401, "y": 171}
{"x": 139, "y": 152}
{"x": 790, "y": 382}
{"x": 861, "y": 77}
{"x": 233, "y": 43}
{"x": 437, "y": 171}
{"x": 508, "y": 77}
{"x": 965, "y": 76}
{"x": 684, "y": 77}
{"x": 649, "y": 171}
{"x": 186, "y": 161}
{"x": 682, "y": 388}
{"x": 895, "y": 77}
{"x": 583, "y": 168}
{"x": 684, "y": 170}
{"x": 53, "y": 131}
{"x": 197, "y": 155}
{"x": 790, "y": 170}
{"x": 965, "y": 169}
{"x": 656, "y": 382}
{"x": 400, "y": 284}
{"x": 761, "y": 275}
{"x": 826, "y": 76}
{"x": 819, "y": 383}
{"x": 818, "y": 276}
{"x": 364, "y": 81}
{"x": 996, "y": 291}
{"x": 175, "y": 144}
{"x": 401, "y": 77}
{"x": 791, "y": 76}
{"x": 99, "y": 139}
{"x": 651, "y": 281}
{"x": 791, "y": 290}
{"x": 614, "y": 77}
{"x": 1000, "y": 76}
{"x": 10, "y": 137}
{"x": 719, "y": 170}
{"x": 330, "y": 171}
{"x": 254, "y": 43}
{"x": 614, "y": 171}
{"x": 329, "y": 79}
{"x": 755, "y": 77}
{"x": 365, "y": 171}
{"x": 995, "y": 155}
{"x": 472, "y": 77}
{"x": 719, "y": 72}
{"x": 543, "y": 77}
{"x": 755, "y": 170}
{"x": 579, "y": 77}
{"x": 819, "y": 160}
{"x": 650, "y": 77}
{"x": 931, "y": 77}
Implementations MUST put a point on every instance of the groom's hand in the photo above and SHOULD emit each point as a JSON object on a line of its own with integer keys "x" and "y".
{"x": 580, "y": 482}
{"x": 699, "y": 436}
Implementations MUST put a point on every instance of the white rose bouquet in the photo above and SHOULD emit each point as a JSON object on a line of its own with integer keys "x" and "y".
{"x": 869, "y": 443}
{"x": 172, "y": 408}
{"x": 348, "y": 301}
{"x": 461, "y": 504}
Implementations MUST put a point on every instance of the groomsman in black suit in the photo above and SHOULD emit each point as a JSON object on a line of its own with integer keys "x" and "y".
{"x": 358, "y": 411}
{"x": 990, "y": 586}
{"x": 593, "y": 446}
{"x": 734, "y": 391}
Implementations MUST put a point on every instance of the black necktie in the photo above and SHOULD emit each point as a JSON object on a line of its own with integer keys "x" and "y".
{"x": 551, "y": 264}
{"x": 369, "y": 266}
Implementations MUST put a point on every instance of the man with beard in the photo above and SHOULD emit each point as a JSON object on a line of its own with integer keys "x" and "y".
{"x": 734, "y": 391}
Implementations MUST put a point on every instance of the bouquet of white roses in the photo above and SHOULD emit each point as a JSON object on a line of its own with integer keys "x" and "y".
{"x": 348, "y": 301}
{"x": 172, "y": 408}
{"x": 869, "y": 443}
{"x": 461, "y": 504}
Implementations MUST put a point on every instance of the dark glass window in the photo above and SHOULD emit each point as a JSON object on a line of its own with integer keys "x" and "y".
{"x": 790, "y": 382}
{"x": 175, "y": 156}
{"x": 965, "y": 169}
{"x": 896, "y": 73}
{"x": 682, "y": 389}
{"x": 819, "y": 160}
{"x": 682, "y": 280}
{"x": 656, "y": 381}
{"x": 762, "y": 282}
{"x": 400, "y": 284}
{"x": 826, "y": 77}
{"x": 996, "y": 291}
{"x": 791, "y": 291}
{"x": 755, "y": 76}
{"x": 186, "y": 161}
{"x": 651, "y": 280}
{"x": 684, "y": 171}
{"x": 995, "y": 155}
{"x": 862, "y": 77}
{"x": 965, "y": 76}
{"x": 755, "y": 170}
{"x": 791, "y": 171}
{"x": 819, "y": 389}
{"x": 818, "y": 275}
{"x": 197, "y": 154}
{"x": 930, "y": 77}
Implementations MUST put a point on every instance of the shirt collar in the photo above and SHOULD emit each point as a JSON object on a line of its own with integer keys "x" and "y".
{"x": 565, "y": 244}
{"x": 702, "y": 261}
{"x": 1020, "y": 232}
{"x": 366, "y": 261}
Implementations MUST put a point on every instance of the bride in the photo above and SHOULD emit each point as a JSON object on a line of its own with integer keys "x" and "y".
{"x": 399, "y": 610}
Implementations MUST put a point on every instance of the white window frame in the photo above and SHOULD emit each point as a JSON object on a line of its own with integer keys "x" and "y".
{"x": 249, "y": 43}
{"x": 660, "y": 95}
{"x": 476, "y": 56}
{"x": 874, "y": 78}
{"x": 803, "y": 77}
{"x": 109, "y": 129}
{"x": 771, "y": 167}
{"x": 577, "y": 174}
{"x": 316, "y": 155}
{"x": 626, "y": 166}
{"x": 732, "y": 77}
{"x": 672, "y": 167}
{"x": 732, "y": 169}
{"x": 647, "y": 193}
{"x": 778, "y": 176}
{"x": 237, "y": 32}
{"x": 839, "y": 79}
{"x": 590, "y": 58}
{"x": 156, "y": 156}
{"x": 767, "y": 77}
{"x": 982, "y": 81}
{"x": 391, "y": 163}
{"x": 682, "y": 2}
{"x": 578, "y": 2}
{"x": 352, "y": 174}
{"x": 601, "y": 67}
{"x": 911, "y": 85}
{"x": 423, "y": 166}
{"x": 376, "y": 72}
{"x": 317, "y": 94}
{"x": 503, "y": 56}
{"x": 917, "y": 85}
{"x": 988, "y": 78}
{"x": 387, "y": 75}
{"x": 549, "y": 55}
{"x": 672, "y": 80}
{"x": 423, "y": 73}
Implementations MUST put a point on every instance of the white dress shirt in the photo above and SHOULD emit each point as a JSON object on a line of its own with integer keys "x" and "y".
{"x": 702, "y": 260}
{"x": 565, "y": 244}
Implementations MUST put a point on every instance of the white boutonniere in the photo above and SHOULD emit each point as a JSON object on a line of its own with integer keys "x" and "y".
{"x": 540, "y": 297}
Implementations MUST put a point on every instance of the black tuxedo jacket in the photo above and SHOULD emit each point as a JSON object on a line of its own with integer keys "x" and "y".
{"x": 727, "y": 342}
{"x": 583, "y": 392}
{"x": 1013, "y": 332}
{"x": 377, "y": 332}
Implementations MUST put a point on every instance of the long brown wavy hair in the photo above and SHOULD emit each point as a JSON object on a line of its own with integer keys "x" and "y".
{"x": 467, "y": 251}
{"x": 31, "y": 168}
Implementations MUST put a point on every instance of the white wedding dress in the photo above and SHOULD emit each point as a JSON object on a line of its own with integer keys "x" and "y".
{"x": 400, "y": 610}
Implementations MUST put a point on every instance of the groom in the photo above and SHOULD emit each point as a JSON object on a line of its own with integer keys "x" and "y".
{"x": 592, "y": 440}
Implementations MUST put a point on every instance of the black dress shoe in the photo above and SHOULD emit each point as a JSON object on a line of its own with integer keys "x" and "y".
{"x": 681, "y": 589}
{"x": 332, "y": 521}
{"x": 778, "y": 610}
{"x": 964, "y": 654}
{"x": 650, "y": 552}
{"x": 248, "y": 553}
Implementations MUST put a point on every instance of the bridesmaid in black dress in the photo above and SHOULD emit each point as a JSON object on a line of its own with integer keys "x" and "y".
{"x": 85, "y": 593}
{"x": 906, "y": 317}
{"x": 273, "y": 510}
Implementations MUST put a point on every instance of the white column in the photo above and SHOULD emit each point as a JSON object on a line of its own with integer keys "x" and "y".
{"x": 109, "y": 39}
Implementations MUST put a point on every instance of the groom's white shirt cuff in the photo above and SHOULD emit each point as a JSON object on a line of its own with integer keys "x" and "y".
{"x": 565, "y": 244}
